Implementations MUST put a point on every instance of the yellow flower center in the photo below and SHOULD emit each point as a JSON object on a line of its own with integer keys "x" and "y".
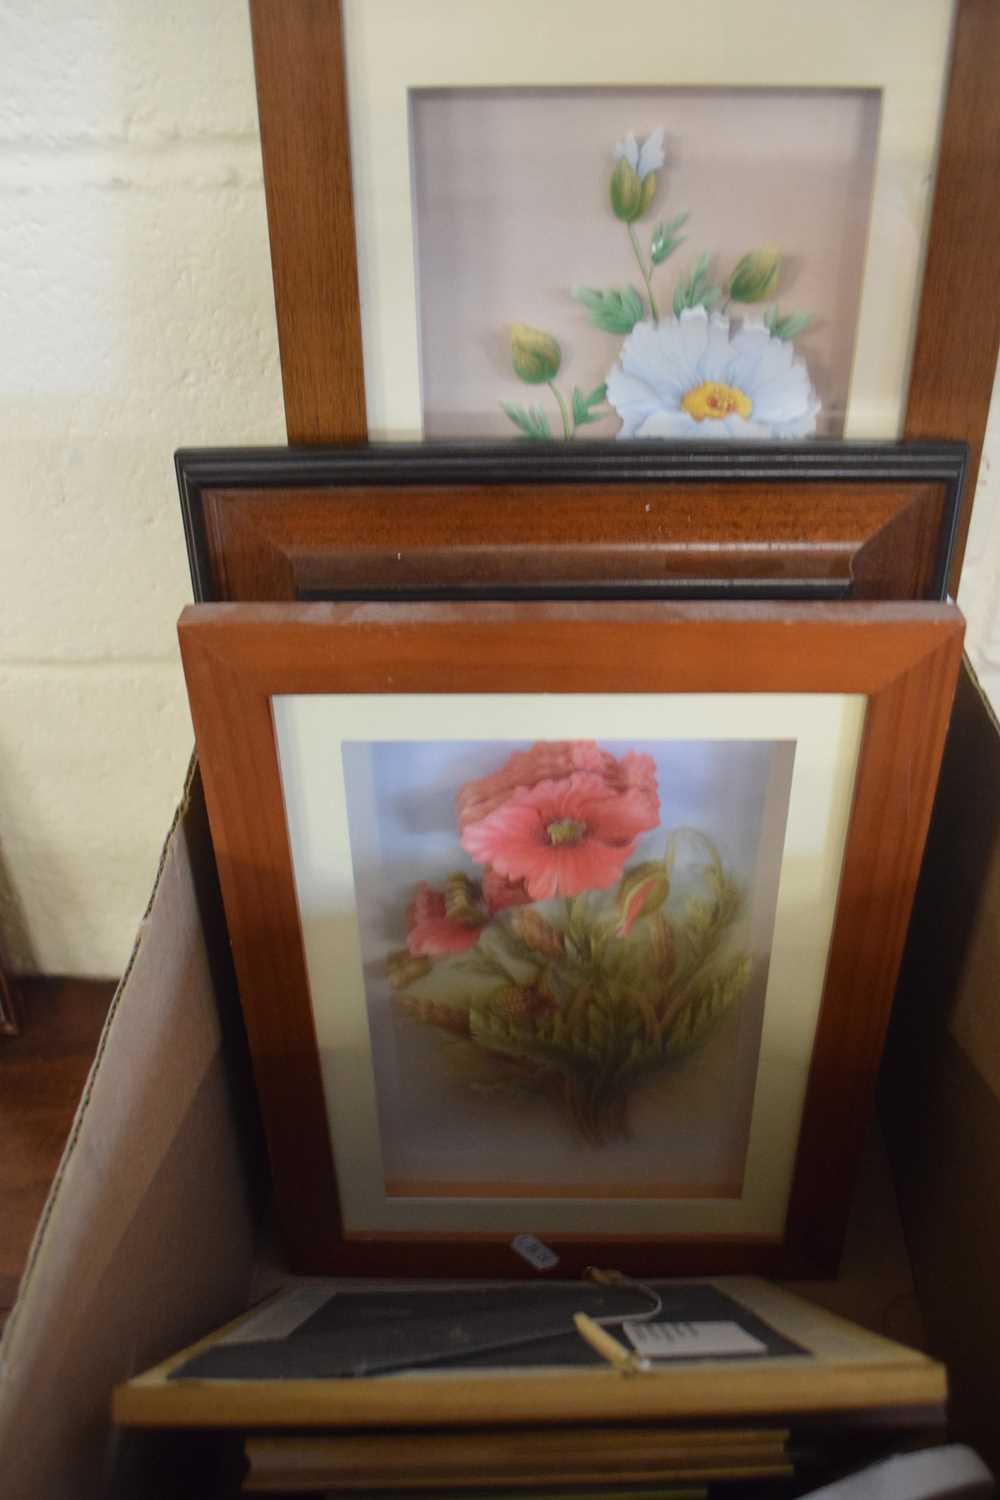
{"x": 566, "y": 831}
{"x": 713, "y": 400}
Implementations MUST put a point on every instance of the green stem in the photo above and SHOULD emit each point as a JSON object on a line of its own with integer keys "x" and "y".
{"x": 567, "y": 429}
{"x": 647, "y": 276}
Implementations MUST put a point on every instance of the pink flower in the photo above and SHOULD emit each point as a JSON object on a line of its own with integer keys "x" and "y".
{"x": 552, "y": 760}
{"x": 567, "y": 835}
{"x": 431, "y": 931}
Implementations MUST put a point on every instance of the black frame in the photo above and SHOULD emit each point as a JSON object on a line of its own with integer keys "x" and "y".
{"x": 592, "y": 462}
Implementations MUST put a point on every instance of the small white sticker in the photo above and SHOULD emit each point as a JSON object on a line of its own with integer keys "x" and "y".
{"x": 682, "y": 1340}
{"x": 534, "y": 1252}
{"x": 277, "y": 1319}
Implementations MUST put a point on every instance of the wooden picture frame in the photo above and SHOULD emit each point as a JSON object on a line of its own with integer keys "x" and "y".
{"x": 837, "y": 1367}
{"x": 408, "y": 521}
{"x": 460, "y": 669}
{"x": 10, "y": 1022}
{"x": 302, "y": 97}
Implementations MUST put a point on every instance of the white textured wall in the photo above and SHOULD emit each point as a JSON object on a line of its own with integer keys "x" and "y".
{"x": 136, "y": 315}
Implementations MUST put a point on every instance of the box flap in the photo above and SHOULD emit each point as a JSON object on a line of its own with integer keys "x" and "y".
{"x": 147, "y": 1235}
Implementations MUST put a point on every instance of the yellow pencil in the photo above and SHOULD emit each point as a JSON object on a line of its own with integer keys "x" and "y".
{"x": 608, "y": 1347}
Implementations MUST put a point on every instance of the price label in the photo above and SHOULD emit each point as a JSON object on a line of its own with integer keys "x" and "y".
{"x": 691, "y": 1340}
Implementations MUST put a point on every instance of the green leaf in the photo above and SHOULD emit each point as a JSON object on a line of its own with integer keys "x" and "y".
{"x": 583, "y": 414}
{"x": 691, "y": 1024}
{"x": 613, "y": 311}
{"x": 793, "y": 325}
{"x": 451, "y": 983}
{"x": 695, "y": 290}
{"x": 498, "y": 945}
{"x": 534, "y": 424}
{"x": 665, "y": 239}
{"x": 788, "y": 327}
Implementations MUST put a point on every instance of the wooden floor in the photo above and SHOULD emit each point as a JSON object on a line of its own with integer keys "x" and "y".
{"x": 42, "y": 1073}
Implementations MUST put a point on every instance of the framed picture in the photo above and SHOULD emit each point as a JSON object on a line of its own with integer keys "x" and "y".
{"x": 409, "y": 521}
{"x": 590, "y": 228}
{"x": 573, "y": 920}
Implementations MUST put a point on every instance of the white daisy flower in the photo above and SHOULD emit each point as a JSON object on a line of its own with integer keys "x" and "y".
{"x": 691, "y": 378}
{"x": 645, "y": 159}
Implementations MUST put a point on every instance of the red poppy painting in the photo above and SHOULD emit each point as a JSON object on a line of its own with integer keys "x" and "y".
{"x": 565, "y": 949}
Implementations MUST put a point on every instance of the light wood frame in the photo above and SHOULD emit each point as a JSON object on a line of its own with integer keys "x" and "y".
{"x": 407, "y": 521}
{"x": 847, "y": 1369}
{"x": 903, "y": 658}
{"x": 302, "y": 99}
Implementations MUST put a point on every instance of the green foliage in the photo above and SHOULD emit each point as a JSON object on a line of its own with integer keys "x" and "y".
{"x": 583, "y": 406}
{"x": 532, "y": 422}
{"x": 498, "y": 947}
{"x": 553, "y": 1000}
{"x": 666, "y": 239}
{"x": 788, "y": 327}
{"x": 696, "y": 290}
{"x": 697, "y": 1017}
{"x": 613, "y": 311}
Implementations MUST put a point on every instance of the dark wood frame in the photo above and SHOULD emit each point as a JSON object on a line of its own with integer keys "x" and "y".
{"x": 613, "y": 520}
{"x": 302, "y": 101}
{"x": 903, "y": 657}
{"x": 10, "y": 1021}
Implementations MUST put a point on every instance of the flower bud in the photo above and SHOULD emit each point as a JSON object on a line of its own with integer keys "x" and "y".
{"x": 755, "y": 276}
{"x": 642, "y": 891}
{"x": 535, "y": 933}
{"x": 536, "y": 355}
{"x": 631, "y": 194}
{"x": 461, "y": 901}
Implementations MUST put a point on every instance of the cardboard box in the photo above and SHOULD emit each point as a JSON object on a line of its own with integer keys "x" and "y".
{"x": 148, "y": 1235}
{"x": 940, "y": 1082}
{"x": 156, "y": 1227}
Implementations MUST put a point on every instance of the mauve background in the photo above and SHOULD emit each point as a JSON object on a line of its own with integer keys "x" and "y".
{"x": 511, "y": 214}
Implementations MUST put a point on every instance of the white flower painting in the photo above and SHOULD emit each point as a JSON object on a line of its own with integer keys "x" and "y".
{"x": 710, "y": 359}
{"x": 588, "y": 261}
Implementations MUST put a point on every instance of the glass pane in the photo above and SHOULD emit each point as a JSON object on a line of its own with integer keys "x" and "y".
{"x": 558, "y": 213}
{"x": 557, "y": 1007}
